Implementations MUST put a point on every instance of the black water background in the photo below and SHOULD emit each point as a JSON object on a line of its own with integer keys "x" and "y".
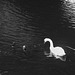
{"x": 49, "y": 21}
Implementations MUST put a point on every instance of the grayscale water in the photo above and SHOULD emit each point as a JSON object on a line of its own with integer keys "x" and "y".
{"x": 23, "y": 26}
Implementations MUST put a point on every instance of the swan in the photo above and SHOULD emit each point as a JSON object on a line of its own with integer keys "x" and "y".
{"x": 54, "y": 51}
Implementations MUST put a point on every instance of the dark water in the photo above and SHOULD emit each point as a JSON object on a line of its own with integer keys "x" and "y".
{"x": 28, "y": 23}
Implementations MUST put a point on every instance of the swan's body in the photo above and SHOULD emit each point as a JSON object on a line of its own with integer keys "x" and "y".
{"x": 56, "y": 51}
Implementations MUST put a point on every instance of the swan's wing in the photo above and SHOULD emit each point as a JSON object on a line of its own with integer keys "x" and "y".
{"x": 58, "y": 51}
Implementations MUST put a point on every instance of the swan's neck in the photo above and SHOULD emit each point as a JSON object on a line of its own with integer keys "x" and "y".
{"x": 51, "y": 43}
{"x": 49, "y": 40}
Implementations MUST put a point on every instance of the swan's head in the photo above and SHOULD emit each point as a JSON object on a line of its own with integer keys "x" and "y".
{"x": 46, "y": 40}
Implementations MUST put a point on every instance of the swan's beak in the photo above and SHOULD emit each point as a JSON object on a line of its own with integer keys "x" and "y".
{"x": 44, "y": 41}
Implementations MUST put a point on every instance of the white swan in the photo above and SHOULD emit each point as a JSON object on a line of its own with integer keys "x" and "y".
{"x": 55, "y": 51}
